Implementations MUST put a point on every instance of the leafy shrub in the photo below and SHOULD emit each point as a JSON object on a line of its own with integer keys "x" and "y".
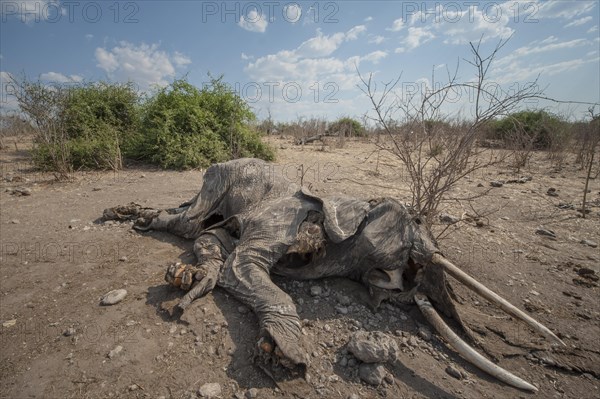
{"x": 347, "y": 127}
{"x": 186, "y": 127}
{"x": 80, "y": 126}
{"x": 537, "y": 129}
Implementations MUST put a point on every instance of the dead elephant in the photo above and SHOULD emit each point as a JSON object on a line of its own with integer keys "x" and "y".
{"x": 249, "y": 221}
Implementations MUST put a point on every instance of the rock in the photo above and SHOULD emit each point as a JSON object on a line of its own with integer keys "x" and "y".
{"x": 534, "y": 292}
{"x": 372, "y": 373}
{"x": 354, "y": 396}
{"x": 589, "y": 243}
{"x": 21, "y": 191}
{"x": 545, "y": 232}
{"x": 341, "y": 309}
{"x": 115, "y": 351}
{"x": 448, "y": 219}
{"x": 343, "y": 361}
{"x": 113, "y": 297}
{"x": 496, "y": 183}
{"x": 454, "y": 372}
{"x": 69, "y": 332}
{"x": 565, "y": 205}
{"x": 424, "y": 333}
{"x": 480, "y": 185}
{"x": 552, "y": 192}
{"x": 316, "y": 290}
{"x": 134, "y": 387}
{"x": 15, "y": 221}
{"x": 210, "y": 390}
{"x": 373, "y": 347}
{"x": 252, "y": 393}
{"x": 344, "y": 300}
{"x": 123, "y": 259}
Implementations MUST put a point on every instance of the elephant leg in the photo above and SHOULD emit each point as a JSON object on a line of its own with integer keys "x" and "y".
{"x": 245, "y": 275}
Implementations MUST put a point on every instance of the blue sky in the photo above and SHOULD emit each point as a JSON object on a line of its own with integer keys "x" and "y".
{"x": 299, "y": 59}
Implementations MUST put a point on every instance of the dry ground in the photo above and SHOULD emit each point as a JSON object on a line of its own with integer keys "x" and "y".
{"x": 57, "y": 261}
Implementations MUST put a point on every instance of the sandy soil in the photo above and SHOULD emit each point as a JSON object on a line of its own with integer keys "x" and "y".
{"x": 57, "y": 260}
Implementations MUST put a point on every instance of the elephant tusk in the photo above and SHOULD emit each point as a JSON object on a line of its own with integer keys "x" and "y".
{"x": 494, "y": 298}
{"x": 467, "y": 351}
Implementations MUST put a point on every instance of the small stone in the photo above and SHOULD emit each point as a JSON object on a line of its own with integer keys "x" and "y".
{"x": 448, "y": 219}
{"x": 123, "y": 259}
{"x": 113, "y": 297}
{"x": 480, "y": 185}
{"x": 545, "y": 232}
{"x": 496, "y": 183}
{"x": 69, "y": 332}
{"x": 552, "y": 192}
{"x": 354, "y": 396}
{"x": 173, "y": 330}
{"x": 534, "y": 292}
{"x": 316, "y": 290}
{"x": 454, "y": 372}
{"x": 210, "y": 390}
{"x": 341, "y": 309}
{"x": 15, "y": 221}
{"x": 252, "y": 393}
{"x": 343, "y": 361}
{"x": 589, "y": 243}
{"x": 372, "y": 373}
{"x": 424, "y": 333}
{"x": 372, "y": 347}
{"x": 134, "y": 387}
{"x": 344, "y": 300}
{"x": 115, "y": 351}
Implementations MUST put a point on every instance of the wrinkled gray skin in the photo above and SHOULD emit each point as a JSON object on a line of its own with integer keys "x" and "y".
{"x": 246, "y": 219}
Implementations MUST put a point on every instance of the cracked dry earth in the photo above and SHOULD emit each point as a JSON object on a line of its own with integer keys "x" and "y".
{"x": 57, "y": 261}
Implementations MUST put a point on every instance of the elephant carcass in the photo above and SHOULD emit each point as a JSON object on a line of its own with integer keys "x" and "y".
{"x": 247, "y": 226}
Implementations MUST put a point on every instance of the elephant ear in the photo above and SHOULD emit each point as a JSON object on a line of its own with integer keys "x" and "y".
{"x": 343, "y": 215}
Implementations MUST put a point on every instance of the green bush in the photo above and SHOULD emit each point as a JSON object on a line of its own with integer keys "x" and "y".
{"x": 348, "y": 127}
{"x": 91, "y": 122}
{"x": 541, "y": 129}
{"x": 185, "y": 127}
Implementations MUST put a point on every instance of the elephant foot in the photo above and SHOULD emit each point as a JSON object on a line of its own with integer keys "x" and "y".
{"x": 271, "y": 359}
{"x": 197, "y": 280}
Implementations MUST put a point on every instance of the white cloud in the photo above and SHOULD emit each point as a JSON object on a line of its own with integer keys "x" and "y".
{"x": 397, "y": 25}
{"x": 353, "y": 33}
{"x": 416, "y": 37}
{"x": 579, "y": 22}
{"x": 368, "y": 19}
{"x": 324, "y": 45}
{"x": 547, "y": 45}
{"x": 180, "y": 59}
{"x": 144, "y": 64}
{"x": 89, "y": 36}
{"x": 254, "y": 22}
{"x": 527, "y": 62}
{"x": 376, "y": 39}
{"x": 593, "y": 29}
{"x": 246, "y": 57}
{"x": 375, "y": 56}
{"x": 60, "y": 78}
{"x": 560, "y": 9}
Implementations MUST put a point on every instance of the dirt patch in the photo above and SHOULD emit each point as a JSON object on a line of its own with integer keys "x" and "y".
{"x": 57, "y": 261}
